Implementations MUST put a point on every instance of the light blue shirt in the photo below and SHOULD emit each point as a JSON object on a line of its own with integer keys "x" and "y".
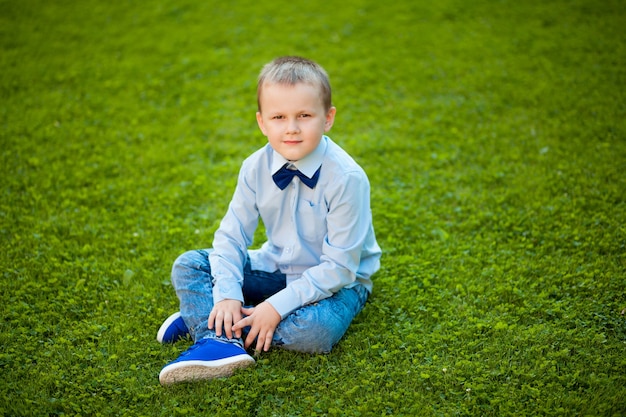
{"x": 321, "y": 238}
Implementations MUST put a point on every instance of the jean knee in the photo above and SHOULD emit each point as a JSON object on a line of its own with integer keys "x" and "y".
{"x": 188, "y": 263}
{"x": 318, "y": 327}
{"x": 318, "y": 344}
{"x": 305, "y": 336}
{"x": 326, "y": 337}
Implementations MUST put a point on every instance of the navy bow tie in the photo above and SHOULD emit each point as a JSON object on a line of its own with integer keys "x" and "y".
{"x": 283, "y": 177}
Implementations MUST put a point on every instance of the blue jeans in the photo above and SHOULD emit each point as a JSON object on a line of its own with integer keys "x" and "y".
{"x": 313, "y": 328}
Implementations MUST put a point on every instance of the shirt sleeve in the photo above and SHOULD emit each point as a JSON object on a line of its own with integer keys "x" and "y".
{"x": 349, "y": 222}
{"x": 232, "y": 239}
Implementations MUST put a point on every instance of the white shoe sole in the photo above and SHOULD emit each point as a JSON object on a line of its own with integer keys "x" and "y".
{"x": 188, "y": 371}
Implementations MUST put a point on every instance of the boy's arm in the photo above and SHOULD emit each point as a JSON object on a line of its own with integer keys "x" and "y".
{"x": 349, "y": 235}
{"x": 231, "y": 241}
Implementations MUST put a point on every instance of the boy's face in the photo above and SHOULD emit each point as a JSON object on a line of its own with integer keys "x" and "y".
{"x": 293, "y": 118}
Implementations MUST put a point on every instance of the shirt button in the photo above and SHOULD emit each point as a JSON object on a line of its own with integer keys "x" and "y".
{"x": 288, "y": 250}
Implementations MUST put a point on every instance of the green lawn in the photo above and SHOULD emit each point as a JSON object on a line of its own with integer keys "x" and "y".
{"x": 494, "y": 136}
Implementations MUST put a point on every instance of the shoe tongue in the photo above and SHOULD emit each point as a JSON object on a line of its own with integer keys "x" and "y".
{"x": 199, "y": 342}
{"x": 194, "y": 346}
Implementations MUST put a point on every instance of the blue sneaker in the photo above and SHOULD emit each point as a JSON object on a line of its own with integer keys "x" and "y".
{"x": 172, "y": 329}
{"x": 207, "y": 359}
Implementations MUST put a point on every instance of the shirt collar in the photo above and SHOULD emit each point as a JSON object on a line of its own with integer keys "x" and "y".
{"x": 307, "y": 165}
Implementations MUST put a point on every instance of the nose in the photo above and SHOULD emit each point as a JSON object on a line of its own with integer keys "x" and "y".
{"x": 292, "y": 126}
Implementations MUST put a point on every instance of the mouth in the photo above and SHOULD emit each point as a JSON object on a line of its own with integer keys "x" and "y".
{"x": 291, "y": 142}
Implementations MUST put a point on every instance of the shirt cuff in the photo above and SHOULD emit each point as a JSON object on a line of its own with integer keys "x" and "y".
{"x": 285, "y": 301}
{"x": 227, "y": 290}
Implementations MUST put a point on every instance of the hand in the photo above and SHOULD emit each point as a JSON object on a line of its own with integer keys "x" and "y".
{"x": 263, "y": 320}
{"x": 224, "y": 315}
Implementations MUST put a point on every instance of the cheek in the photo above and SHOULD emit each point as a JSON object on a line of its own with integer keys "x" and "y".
{"x": 270, "y": 132}
{"x": 265, "y": 128}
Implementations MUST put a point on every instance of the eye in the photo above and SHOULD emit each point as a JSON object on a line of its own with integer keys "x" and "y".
{"x": 303, "y": 115}
{"x": 277, "y": 117}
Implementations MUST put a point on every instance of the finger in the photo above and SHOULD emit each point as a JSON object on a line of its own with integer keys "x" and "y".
{"x": 260, "y": 342}
{"x": 219, "y": 321}
{"x": 268, "y": 341}
{"x": 251, "y": 336}
{"x": 235, "y": 330}
{"x": 211, "y": 322}
{"x": 239, "y": 325}
{"x": 247, "y": 311}
{"x": 227, "y": 326}
{"x": 237, "y": 317}
{"x": 264, "y": 342}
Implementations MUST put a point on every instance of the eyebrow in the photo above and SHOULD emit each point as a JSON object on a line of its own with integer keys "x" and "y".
{"x": 307, "y": 111}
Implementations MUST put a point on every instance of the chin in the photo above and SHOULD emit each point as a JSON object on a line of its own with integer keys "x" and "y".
{"x": 290, "y": 155}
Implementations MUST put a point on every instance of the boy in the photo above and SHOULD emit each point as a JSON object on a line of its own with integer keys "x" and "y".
{"x": 312, "y": 276}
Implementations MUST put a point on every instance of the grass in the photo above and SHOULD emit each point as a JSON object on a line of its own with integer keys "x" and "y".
{"x": 492, "y": 131}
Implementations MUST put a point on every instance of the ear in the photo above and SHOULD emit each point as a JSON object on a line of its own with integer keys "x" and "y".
{"x": 259, "y": 121}
{"x": 330, "y": 119}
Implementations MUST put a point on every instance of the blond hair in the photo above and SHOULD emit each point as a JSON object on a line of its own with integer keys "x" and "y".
{"x": 290, "y": 70}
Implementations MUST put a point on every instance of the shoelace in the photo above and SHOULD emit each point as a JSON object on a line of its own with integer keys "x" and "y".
{"x": 194, "y": 347}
